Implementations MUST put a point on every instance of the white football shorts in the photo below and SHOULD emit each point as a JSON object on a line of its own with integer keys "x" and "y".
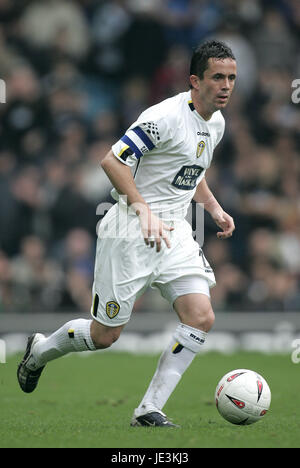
{"x": 125, "y": 266}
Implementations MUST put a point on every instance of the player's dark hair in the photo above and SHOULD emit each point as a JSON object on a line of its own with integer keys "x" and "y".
{"x": 209, "y": 49}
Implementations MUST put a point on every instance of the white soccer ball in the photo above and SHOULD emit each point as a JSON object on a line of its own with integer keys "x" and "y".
{"x": 242, "y": 397}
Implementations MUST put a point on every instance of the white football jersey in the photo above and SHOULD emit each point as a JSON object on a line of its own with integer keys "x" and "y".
{"x": 169, "y": 148}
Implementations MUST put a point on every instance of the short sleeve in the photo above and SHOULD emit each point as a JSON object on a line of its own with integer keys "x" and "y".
{"x": 141, "y": 138}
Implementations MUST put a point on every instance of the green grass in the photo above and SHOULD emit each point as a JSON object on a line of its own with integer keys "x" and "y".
{"x": 88, "y": 402}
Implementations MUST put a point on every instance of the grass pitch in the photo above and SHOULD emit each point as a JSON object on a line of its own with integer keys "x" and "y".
{"x": 87, "y": 401}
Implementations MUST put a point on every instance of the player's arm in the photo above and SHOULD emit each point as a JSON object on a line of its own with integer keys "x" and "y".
{"x": 205, "y": 196}
{"x": 121, "y": 178}
{"x": 120, "y": 175}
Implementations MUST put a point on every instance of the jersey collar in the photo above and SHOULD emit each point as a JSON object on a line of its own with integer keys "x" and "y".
{"x": 191, "y": 105}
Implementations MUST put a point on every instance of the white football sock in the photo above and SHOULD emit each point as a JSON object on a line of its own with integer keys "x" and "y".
{"x": 71, "y": 337}
{"x": 185, "y": 344}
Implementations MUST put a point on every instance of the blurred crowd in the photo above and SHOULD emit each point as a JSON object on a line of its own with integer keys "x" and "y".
{"x": 77, "y": 74}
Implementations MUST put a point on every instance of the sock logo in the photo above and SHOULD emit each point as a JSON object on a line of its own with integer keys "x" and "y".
{"x": 177, "y": 348}
{"x": 196, "y": 338}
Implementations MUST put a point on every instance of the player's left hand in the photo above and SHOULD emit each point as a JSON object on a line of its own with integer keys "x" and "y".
{"x": 226, "y": 223}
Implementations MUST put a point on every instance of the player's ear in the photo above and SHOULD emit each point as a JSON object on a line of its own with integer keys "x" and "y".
{"x": 195, "y": 81}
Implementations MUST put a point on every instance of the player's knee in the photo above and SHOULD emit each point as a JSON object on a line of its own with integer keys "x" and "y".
{"x": 203, "y": 318}
{"x": 105, "y": 341}
{"x": 104, "y": 337}
{"x": 209, "y": 319}
{"x": 196, "y": 311}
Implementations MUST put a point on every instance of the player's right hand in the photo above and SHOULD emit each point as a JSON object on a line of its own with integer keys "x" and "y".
{"x": 154, "y": 230}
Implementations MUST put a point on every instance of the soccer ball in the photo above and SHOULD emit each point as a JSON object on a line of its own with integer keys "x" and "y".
{"x": 242, "y": 397}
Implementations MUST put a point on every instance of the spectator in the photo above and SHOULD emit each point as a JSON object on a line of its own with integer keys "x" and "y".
{"x": 78, "y": 254}
{"x": 6, "y": 289}
{"x": 56, "y": 24}
{"x": 71, "y": 210}
{"x": 36, "y": 278}
{"x": 26, "y": 118}
{"x": 274, "y": 42}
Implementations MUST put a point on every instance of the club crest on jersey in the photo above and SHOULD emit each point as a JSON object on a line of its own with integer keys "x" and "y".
{"x": 112, "y": 309}
{"x": 200, "y": 148}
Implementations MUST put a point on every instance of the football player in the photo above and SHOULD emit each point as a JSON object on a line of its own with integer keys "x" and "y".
{"x": 157, "y": 168}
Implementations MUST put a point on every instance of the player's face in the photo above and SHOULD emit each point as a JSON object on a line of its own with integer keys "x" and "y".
{"x": 213, "y": 92}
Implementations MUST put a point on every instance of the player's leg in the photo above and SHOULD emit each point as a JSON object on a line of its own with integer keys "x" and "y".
{"x": 110, "y": 311}
{"x": 196, "y": 319}
{"x": 74, "y": 336}
{"x": 82, "y": 334}
{"x": 195, "y": 311}
{"x": 104, "y": 336}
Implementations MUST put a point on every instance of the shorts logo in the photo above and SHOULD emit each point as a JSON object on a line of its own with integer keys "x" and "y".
{"x": 200, "y": 148}
{"x": 112, "y": 309}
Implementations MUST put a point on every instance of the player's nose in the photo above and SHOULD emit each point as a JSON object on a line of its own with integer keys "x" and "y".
{"x": 226, "y": 85}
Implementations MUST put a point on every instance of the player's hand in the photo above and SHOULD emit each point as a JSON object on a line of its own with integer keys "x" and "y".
{"x": 154, "y": 230}
{"x": 226, "y": 223}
